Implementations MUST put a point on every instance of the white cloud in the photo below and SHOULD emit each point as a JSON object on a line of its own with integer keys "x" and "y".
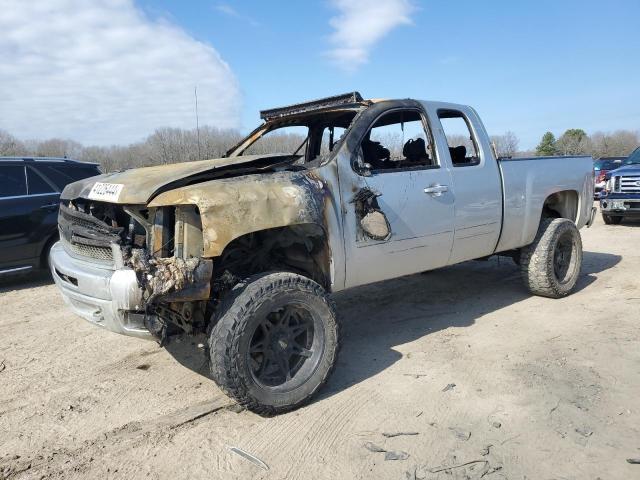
{"x": 360, "y": 24}
{"x": 102, "y": 72}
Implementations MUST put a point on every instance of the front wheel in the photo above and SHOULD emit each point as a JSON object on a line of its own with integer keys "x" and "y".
{"x": 275, "y": 342}
{"x": 611, "y": 219}
{"x": 551, "y": 264}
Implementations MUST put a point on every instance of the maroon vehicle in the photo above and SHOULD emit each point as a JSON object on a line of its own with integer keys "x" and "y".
{"x": 601, "y": 167}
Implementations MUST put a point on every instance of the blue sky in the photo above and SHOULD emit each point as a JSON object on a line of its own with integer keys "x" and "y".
{"x": 525, "y": 66}
{"x": 111, "y": 71}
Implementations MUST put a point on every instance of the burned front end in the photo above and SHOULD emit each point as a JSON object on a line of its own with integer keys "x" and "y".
{"x": 131, "y": 269}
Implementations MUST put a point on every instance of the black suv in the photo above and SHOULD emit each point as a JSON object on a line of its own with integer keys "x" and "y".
{"x": 29, "y": 198}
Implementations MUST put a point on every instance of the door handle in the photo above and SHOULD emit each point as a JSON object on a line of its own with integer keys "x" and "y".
{"x": 436, "y": 190}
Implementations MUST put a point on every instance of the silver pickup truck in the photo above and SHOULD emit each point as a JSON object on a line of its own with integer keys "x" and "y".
{"x": 323, "y": 196}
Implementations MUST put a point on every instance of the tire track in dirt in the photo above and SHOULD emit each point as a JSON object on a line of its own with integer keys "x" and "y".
{"x": 290, "y": 443}
{"x": 59, "y": 462}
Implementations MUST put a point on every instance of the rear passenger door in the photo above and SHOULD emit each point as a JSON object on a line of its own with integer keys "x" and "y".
{"x": 477, "y": 186}
{"x": 16, "y": 208}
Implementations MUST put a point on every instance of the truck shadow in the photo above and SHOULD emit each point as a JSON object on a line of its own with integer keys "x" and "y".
{"x": 630, "y": 222}
{"x": 377, "y": 318}
{"x": 24, "y": 281}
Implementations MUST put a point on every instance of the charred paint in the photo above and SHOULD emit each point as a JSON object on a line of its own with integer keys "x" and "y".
{"x": 141, "y": 184}
{"x": 232, "y": 207}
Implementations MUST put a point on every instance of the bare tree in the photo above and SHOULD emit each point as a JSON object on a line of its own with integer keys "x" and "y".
{"x": 506, "y": 145}
{"x": 10, "y": 145}
{"x": 617, "y": 144}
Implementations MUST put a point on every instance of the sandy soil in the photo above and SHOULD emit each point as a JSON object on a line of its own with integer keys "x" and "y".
{"x": 544, "y": 389}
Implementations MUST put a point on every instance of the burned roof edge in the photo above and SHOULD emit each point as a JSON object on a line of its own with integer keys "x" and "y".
{"x": 297, "y": 108}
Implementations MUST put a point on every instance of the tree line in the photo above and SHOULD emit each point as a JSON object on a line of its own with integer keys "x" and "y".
{"x": 576, "y": 141}
{"x": 173, "y": 145}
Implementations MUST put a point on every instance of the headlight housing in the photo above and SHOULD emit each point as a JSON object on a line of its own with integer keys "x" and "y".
{"x": 608, "y": 187}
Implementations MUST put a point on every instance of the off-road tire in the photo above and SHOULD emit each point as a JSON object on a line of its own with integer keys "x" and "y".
{"x": 611, "y": 219}
{"x": 236, "y": 322}
{"x": 538, "y": 260}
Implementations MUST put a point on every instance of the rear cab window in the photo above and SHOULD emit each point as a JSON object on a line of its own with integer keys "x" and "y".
{"x": 463, "y": 146}
{"x": 13, "y": 182}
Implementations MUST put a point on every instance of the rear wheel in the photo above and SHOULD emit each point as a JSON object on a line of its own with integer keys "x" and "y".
{"x": 551, "y": 264}
{"x": 611, "y": 219}
{"x": 275, "y": 342}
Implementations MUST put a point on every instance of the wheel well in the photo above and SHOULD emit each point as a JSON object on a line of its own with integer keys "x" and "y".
{"x": 45, "y": 248}
{"x": 562, "y": 204}
{"x": 302, "y": 249}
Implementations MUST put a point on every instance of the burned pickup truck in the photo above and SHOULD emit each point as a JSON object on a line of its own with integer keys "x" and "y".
{"x": 323, "y": 196}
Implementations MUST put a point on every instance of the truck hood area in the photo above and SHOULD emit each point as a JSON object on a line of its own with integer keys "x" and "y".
{"x": 140, "y": 185}
{"x": 633, "y": 169}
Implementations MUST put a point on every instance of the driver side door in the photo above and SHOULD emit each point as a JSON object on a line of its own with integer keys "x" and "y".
{"x": 414, "y": 195}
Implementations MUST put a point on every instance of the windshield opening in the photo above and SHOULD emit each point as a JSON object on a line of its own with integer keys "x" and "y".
{"x": 634, "y": 158}
{"x": 607, "y": 164}
{"x": 305, "y": 137}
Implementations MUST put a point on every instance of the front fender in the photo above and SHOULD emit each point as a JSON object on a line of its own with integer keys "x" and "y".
{"x": 232, "y": 207}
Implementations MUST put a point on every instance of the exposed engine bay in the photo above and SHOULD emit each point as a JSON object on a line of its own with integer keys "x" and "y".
{"x": 164, "y": 246}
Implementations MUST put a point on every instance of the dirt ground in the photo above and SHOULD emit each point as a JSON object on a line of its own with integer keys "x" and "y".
{"x": 483, "y": 379}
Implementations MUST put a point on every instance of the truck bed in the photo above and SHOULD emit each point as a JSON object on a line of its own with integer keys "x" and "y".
{"x": 528, "y": 181}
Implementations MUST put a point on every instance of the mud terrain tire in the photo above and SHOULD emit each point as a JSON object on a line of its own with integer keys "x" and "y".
{"x": 268, "y": 324}
{"x": 611, "y": 219}
{"x": 551, "y": 265}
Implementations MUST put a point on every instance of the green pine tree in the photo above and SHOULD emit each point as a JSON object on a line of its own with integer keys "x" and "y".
{"x": 547, "y": 145}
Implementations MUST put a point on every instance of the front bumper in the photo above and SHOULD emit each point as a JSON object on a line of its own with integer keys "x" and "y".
{"x": 622, "y": 206}
{"x": 105, "y": 297}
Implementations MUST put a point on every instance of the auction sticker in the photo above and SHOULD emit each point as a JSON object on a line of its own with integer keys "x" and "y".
{"x": 105, "y": 191}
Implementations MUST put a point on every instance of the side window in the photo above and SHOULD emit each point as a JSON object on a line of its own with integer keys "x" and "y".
{"x": 61, "y": 175}
{"x": 12, "y": 181}
{"x": 462, "y": 144}
{"x": 330, "y": 136}
{"x": 398, "y": 140}
{"x": 79, "y": 172}
{"x": 36, "y": 184}
{"x": 56, "y": 175}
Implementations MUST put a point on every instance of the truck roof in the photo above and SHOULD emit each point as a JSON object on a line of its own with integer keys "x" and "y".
{"x": 339, "y": 102}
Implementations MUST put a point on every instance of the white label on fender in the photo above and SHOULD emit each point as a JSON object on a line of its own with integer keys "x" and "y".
{"x": 105, "y": 191}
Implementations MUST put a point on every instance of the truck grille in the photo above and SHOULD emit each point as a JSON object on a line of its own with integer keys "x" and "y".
{"x": 99, "y": 253}
{"x": 84, "y": 236}
{"x": 630, "y": 184}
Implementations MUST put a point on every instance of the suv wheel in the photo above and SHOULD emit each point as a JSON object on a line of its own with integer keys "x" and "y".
{"x": 611, "y": 219}
{"x": 275, "y": 342}
{"x": 551, "y": 264}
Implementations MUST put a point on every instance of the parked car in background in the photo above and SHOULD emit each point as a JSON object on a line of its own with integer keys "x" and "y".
{"x": 29, "y": 199}
{"x": 621, "y": 195}
{"x": 600, "y": 169}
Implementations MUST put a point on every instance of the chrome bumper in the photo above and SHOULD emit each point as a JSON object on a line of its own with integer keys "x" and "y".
{"x": 105, "y": 297}
{"x": 620, "y": 205}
